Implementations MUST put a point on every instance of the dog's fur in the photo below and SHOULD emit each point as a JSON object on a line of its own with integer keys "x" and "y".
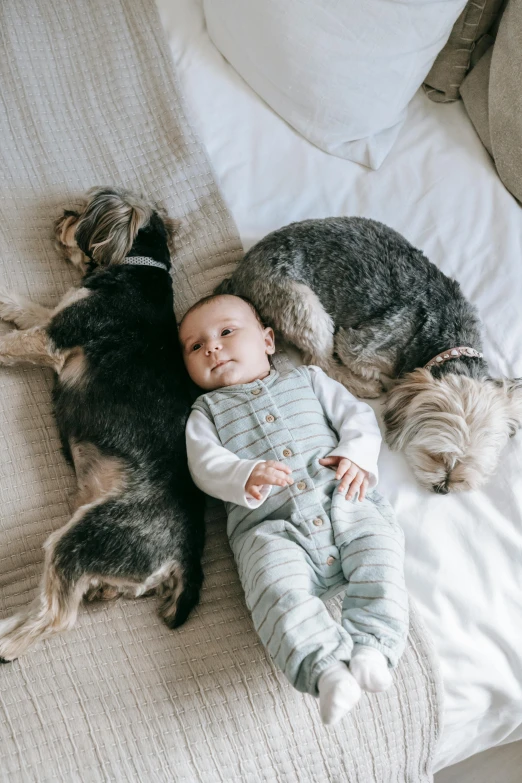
{"x": 362, "y": 303}
{"x": 121, "y": 401}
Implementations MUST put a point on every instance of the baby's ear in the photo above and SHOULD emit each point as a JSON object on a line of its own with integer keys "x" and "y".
{"x": 269, "y": 340}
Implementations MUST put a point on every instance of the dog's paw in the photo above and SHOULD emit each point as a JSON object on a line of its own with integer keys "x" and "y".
{"x": 10, "y": 650}
{"x": 64, "y": 242}
{"x": 367, "y": 388}
{"x": 9, "y": 308}
{"x": 103, "y": 593}
{"x": 21, "y": 311}
{"x": 367, "y": 391}
{"x": 10, "y": 624}
{"x": 64, "y": 230}
{"x": 107, "y": 592}
{"x": 10, "y": 639}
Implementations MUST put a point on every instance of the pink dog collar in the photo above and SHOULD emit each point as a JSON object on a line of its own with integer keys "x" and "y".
{"x": 453, "y": 353}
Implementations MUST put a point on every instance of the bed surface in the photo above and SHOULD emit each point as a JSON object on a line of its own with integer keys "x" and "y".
{"x": 439, "y": 188}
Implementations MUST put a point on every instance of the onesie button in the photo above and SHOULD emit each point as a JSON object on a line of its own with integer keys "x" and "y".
{"x": 318, "y": 522}
{"x": 287, "y": 453}
{"x": 269, "y": 418}
{"x": 301, "y": 485}
{"x": 256, "y": 391}
{"x": 330, "y": 560}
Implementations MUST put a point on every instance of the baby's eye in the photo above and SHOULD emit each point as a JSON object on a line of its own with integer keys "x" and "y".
{"x": 196, "y": 346}
{"x": 225, "y": 332}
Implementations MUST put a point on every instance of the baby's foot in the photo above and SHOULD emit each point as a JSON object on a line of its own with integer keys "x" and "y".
{"x": 370, "y": 668}
{"x": 338, "y": 693}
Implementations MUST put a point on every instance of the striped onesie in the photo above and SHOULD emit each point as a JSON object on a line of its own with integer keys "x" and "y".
{"x": 301, "y": 543}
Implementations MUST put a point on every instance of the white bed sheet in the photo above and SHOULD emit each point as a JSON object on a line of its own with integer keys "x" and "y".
{"x": 439, "y": 188}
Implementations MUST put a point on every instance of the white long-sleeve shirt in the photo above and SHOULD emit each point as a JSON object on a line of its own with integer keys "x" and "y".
{"x": 222, "y": 474}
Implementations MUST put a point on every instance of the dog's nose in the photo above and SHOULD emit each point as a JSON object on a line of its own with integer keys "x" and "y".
{"x": 440, "y": 489}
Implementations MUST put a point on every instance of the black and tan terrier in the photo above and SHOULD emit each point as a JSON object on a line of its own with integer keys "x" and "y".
{"x": 121, "y": 400}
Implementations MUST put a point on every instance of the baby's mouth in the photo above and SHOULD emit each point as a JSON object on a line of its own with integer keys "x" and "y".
{"x": 220, "y": 364}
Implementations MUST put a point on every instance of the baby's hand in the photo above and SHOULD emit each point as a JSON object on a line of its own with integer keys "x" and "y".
{"x": 274, "y": 473}
{"x": 354, "y": 478}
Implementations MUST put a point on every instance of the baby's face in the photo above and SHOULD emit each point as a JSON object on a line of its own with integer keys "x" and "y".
{"x": 224, "y": 344}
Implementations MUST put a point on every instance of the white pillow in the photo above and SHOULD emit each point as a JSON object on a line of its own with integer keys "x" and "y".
{"x": 341, "y": 72}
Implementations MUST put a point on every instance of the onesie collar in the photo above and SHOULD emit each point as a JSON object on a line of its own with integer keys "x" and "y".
{"x": 244, "y": 388}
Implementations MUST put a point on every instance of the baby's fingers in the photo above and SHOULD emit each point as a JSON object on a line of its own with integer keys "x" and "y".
{"x": 344, "y": 466}
{"x": 255, "y": 492}
{"x": 272, "y": 476}
{"x": 278, "y": 478}
{"x": 354, "y": 486}
{"x": 271, "y": 465}
{"x": 348, "y": 478}
{"x": 363, "y": 489}
{"x": 329, "y": 461}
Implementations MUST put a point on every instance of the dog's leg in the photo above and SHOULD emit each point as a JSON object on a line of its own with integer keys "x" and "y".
{"x": 308, "y": 326}
{"x": 55, "y": 607}
{"x": 53, "y": 610}
{"x": 99, "y": 477}
{"x": 70, "y": 297}
{"x": 367, "y": 359}
{"x": 298, "y": 315}
{"x": 28, "y": 346}
{"x": 64, "y": 230}
{"x": 21, "y": 311}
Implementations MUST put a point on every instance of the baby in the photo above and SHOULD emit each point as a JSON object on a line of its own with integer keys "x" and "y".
{"x": 287, "y": 452}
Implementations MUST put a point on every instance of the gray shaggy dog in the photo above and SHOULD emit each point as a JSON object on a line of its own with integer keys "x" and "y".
{"x": 368, "y": 308}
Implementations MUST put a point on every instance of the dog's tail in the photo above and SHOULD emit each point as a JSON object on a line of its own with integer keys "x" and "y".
{"x": 183, "y": 597}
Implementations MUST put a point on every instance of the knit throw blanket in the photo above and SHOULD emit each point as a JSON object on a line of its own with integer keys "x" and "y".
{"x": 89, "y": 97}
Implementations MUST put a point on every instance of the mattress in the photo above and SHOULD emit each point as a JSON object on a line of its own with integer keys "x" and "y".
{"x": 439, "y": 188}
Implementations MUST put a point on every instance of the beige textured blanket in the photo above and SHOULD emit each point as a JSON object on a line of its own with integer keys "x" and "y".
{"x": 89, "y": 97}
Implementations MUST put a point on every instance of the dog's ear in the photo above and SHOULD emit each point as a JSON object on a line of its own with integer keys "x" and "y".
{"x": 172, "y": 226}
{"x": 513, "y": 388}
{"x": 397, "y": 405}
{"x": 109, "y": 224}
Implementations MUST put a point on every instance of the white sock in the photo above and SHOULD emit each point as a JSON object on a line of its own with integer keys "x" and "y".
{"x": 370, "y": 668}
{"x": 338, "y": 693}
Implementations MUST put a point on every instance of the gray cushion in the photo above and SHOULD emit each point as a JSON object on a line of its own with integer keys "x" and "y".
{"x": 442, "y": 84}
{"x": 492, "y": 96}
